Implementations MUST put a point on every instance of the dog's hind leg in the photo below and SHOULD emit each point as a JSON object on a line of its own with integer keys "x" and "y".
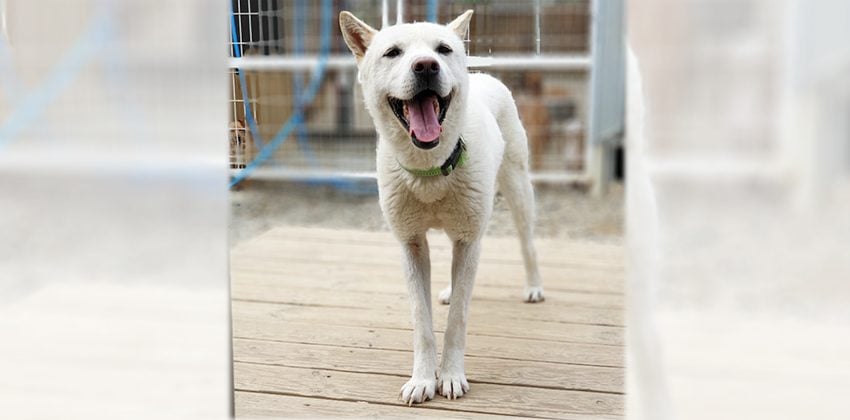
{"x": 423, "y": 381}
{"x": 445, "y": 295}
{"x": 515, "y": 186}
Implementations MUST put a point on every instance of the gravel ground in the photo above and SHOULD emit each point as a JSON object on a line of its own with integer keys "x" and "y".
{"x": 562, "y": 211}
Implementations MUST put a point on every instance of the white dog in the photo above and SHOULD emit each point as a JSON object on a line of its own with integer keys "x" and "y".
{"x": 447, "y": 141}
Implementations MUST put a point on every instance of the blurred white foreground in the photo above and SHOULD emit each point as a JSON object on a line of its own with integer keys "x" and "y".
{"x": 113, "y": 255}
{"x": 739, "y": 209}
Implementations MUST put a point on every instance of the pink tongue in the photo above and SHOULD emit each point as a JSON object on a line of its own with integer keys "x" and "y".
{"x": 423, "y": 119}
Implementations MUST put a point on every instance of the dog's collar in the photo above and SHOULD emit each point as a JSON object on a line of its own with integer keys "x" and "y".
{"x": 455, "y": 160}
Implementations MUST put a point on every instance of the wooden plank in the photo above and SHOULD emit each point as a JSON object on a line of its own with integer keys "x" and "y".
{"x": 257, "y": 289}
{"x": 486, "y": 398}
{"x": 320, "y": 312}
{"x": 479, "y": 324}
{"x": 503, "y": 246}
{"x": 301, "y": 287}
{"x": 367, "y": 252}
{"x": 254, "y": 404}
{"x": 395, "y": 339}
{"x": 326, "y": 270}
{"x": 478, "y": 369}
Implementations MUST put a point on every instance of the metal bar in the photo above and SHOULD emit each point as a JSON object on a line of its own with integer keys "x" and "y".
{"x": 289, "y": 174}
{"x": 278, "y": 39}
{"x": 240, "y": 42}
{"x": 344, "y": 61}
{"x": 250, "y": 26}
{"x": 260, "y": 35}
{"x": 385, "y": 18}
{"x": 399, "y": 10}
{"x": 532, "y": 62}
{"x": 537, "y": 26}
{"x": 560, "y": 178}
{"x": 591, "y": 162}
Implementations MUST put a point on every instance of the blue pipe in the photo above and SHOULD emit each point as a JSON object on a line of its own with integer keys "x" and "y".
{"x": 432, "y": 11}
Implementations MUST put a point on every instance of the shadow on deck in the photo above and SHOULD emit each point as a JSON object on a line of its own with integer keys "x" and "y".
{"x": 322, "y": 328}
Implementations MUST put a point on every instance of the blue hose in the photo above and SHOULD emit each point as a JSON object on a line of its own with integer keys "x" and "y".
{"x": 87, "y": 46}
{"x": 297, "y": 119}
{"x": 8, "y": 77}
{"x": 298, "y": 116}
{"x": 298, "y": 79}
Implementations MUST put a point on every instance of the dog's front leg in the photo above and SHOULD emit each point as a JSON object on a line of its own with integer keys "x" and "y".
{"x": 422, "y": 383}
{"x": 453, "y": 383}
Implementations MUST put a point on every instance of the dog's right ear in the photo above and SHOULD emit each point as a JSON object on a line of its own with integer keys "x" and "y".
{"x": 357, "y": 34}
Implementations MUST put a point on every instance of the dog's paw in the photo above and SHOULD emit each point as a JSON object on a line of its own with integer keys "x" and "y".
{"x": 533, "y": 294}
{"x": 418, "y": 390}
{"x": 452, "y": 385}
{"x": 445, "y": 295}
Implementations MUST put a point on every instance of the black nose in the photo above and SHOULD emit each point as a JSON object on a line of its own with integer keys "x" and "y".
{"x": 426, "y": 67}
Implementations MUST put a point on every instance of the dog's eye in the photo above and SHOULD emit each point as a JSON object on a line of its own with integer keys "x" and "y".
{"x": 392, "y": 52}
{"x": 444, "y": 49}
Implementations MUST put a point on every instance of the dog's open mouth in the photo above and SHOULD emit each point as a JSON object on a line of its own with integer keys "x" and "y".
{"x": 422, "y": 116}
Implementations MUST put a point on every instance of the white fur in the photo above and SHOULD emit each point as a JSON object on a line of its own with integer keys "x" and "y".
{"x": 482, "y": 110}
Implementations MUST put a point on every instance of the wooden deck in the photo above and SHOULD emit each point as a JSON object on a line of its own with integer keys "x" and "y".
{"x": 322, "y": 328}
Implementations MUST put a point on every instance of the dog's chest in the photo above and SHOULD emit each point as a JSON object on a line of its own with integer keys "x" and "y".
{"x": 413, "y": 206}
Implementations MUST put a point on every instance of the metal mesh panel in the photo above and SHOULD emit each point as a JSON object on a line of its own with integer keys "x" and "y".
{"x": 337, "y": 134}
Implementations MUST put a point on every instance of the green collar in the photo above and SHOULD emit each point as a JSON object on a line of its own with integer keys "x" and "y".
{"x": 456, "y": 160}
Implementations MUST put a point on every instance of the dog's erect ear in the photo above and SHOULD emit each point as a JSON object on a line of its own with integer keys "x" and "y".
{"x": 461, "y": 24}
{"x": 357, "y": 34}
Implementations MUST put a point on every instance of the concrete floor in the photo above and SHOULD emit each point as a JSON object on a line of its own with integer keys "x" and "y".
{"x": 563, "y": 212}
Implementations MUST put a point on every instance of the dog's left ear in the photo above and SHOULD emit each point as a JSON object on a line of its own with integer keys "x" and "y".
{"x": 461, "y": 24}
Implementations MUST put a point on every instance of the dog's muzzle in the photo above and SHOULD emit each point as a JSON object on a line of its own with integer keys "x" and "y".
{"x": 422, "y": 116}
